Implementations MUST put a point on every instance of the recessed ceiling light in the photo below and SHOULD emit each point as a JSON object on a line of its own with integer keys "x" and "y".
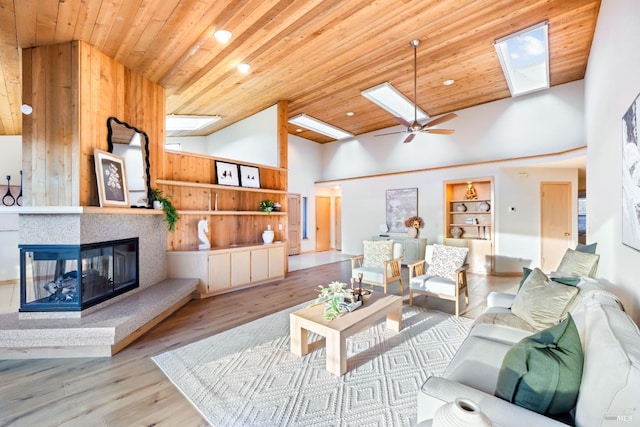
{"x": 350, "y": 113}
{"x": 244, "y": 68}
{"x": 223, "y": 36}
{"x": 448, "y": 82}
{"x": 298, "y": 130}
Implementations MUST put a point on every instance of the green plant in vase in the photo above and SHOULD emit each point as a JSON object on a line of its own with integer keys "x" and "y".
{"x": 171, "y": 215}
{"x": 266, "y": 206}
{"x": 332, "y": 296}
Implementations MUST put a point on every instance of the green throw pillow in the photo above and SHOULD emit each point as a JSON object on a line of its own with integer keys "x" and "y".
{"x": 525, "y": 273}
{"x": 569, "y": 281}
{"x": 542, "y": 372}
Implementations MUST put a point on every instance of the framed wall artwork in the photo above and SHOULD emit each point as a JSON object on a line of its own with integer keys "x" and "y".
{"x": 227, "y": 173}
{"x": 111, "y": 179}
{"x": 631, "y": 177}
{"x": 249, "y": 176}
{"x": 401, "y": 204}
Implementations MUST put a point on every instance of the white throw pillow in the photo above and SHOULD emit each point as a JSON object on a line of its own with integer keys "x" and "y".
{"x": 578, "y": 263}
{"x": 542, "y": 302}
{"x": 376, "y": 252}
{"x": 446, "y": 260}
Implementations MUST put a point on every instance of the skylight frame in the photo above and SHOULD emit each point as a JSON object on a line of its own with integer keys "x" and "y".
{"x": 177, "y": 122}
{"x": 519, "y": 77}
{"x": 387, "y": 97}
{"x": 318, "y": 126}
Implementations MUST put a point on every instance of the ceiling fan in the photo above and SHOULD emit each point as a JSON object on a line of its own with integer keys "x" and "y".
{"x": 416, "y": 127}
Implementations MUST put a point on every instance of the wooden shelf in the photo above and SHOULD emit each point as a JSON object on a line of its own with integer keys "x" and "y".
{"x": 470, "y": 213}
{"x": 213, "y": 213}
{"x": 470, "y": 225}
{"x": 218, "y": 186}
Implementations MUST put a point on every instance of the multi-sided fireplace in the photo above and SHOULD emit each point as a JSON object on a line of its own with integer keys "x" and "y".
{"x": 57, "y": 278}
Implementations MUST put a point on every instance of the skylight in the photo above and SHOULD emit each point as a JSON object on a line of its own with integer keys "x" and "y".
{"x": 524, "y": 57}
{"x": 392, "y": 100}
{"x": 320, "y": 127}
{"x": 177, "y": 122}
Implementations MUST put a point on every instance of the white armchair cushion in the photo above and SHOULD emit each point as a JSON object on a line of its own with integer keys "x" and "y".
{"x": 446, "y": 260}
{"x": 435, "y": 284}
{"x": 369, "y": 274}
{"x": 376, "y": 252}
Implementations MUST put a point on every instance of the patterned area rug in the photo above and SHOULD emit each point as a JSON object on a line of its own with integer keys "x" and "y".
{"x": 246, "y": 376}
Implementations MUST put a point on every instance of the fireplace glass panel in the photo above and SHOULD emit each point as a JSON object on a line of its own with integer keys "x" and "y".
{"x": 50, "y": 273}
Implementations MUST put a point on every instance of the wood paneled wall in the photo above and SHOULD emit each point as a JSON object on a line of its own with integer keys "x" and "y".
{"x": 74, "y": 89}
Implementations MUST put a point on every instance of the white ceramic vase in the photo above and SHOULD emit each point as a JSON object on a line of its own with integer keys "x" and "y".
{"x": 461, "y": 412}
{"x": 157, "y": 204}
{"x": 267, "y": 235}
{"x": 456, "y": 232}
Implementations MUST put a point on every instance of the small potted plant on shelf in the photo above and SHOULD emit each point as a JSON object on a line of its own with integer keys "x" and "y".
{"x": 170, "y": 213}
{"x": 266, "y": 206}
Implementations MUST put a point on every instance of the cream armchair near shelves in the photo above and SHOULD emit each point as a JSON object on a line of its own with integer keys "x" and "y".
{"x": 379, "y": 264}
{"x": 442, "y": 274}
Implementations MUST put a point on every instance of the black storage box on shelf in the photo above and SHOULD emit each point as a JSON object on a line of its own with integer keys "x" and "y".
{"x": 76, "y": 277}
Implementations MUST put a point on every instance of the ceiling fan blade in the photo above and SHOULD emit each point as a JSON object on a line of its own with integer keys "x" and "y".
{"x": 439, "y": 120}
{"x": 403, "y": 122}
{"x": 410, "y": 138}
{"x": 390, "y": 133}
{"x": 440, "y": 131}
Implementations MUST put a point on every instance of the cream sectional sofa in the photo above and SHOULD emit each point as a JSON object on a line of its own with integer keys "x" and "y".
{"x": 609, "y": 393}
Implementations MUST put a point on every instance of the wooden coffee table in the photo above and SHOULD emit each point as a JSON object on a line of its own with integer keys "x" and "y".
{"x": 336, "y": 331}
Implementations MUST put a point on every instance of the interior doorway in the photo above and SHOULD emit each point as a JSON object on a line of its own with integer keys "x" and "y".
{"x": 323, "y": 223}
{"x": 555, "y": 223}
{"x": 295, "y": 233}
{"x": 337, "y": 223}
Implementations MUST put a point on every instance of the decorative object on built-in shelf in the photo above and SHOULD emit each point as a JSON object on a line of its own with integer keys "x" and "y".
{"x": 268, "y": 234}
{"x": 461, "y": 412}
{"x": 484, "y": 206}
{"x": 203, "y": 229}
{"x": 19, "y": 198}
{"x": 461, "y": 207}
{"x": 266, "y": 206}
{"x": 170, "y": 213}
{"x": 332, "y": 296}
{"x": 471, "y": 193}
{"x": 456, "y": 232}
{"x": 249, "y": 176}
{"x": 276, "y": 207}
{"x": 415, "y": 223}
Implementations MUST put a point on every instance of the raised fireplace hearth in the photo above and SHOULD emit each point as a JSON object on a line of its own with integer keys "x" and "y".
{"x": 72, "y": 278}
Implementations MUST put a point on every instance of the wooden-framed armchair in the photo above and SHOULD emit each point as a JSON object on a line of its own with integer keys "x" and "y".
{"x": 379, "y": 264}
{"x": 442, "y": 274}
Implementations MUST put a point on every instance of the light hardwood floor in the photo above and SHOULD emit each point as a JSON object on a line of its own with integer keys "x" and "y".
{"x": 129, "y": 390}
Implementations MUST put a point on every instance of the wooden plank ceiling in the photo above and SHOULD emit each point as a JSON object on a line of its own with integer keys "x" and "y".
{"x": 317, "y": 54}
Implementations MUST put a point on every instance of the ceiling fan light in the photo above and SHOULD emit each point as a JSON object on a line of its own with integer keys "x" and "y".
{"x": 392, "y": 100}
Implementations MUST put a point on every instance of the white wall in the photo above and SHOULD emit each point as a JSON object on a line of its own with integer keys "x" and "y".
{"x": 544, "y": 122}
{"x": 190, "y": 144}
{"x": 10, "y": 164}
{"x": 252, "y": 140}
{"x": 612, "y": 82}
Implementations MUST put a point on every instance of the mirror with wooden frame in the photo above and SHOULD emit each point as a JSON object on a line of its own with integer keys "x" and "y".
{"x": 132, "y": 145}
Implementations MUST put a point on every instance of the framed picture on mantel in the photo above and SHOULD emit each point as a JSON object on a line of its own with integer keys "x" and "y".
{"x": 111, "y": 178}
{"x": 227, "y": 173}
